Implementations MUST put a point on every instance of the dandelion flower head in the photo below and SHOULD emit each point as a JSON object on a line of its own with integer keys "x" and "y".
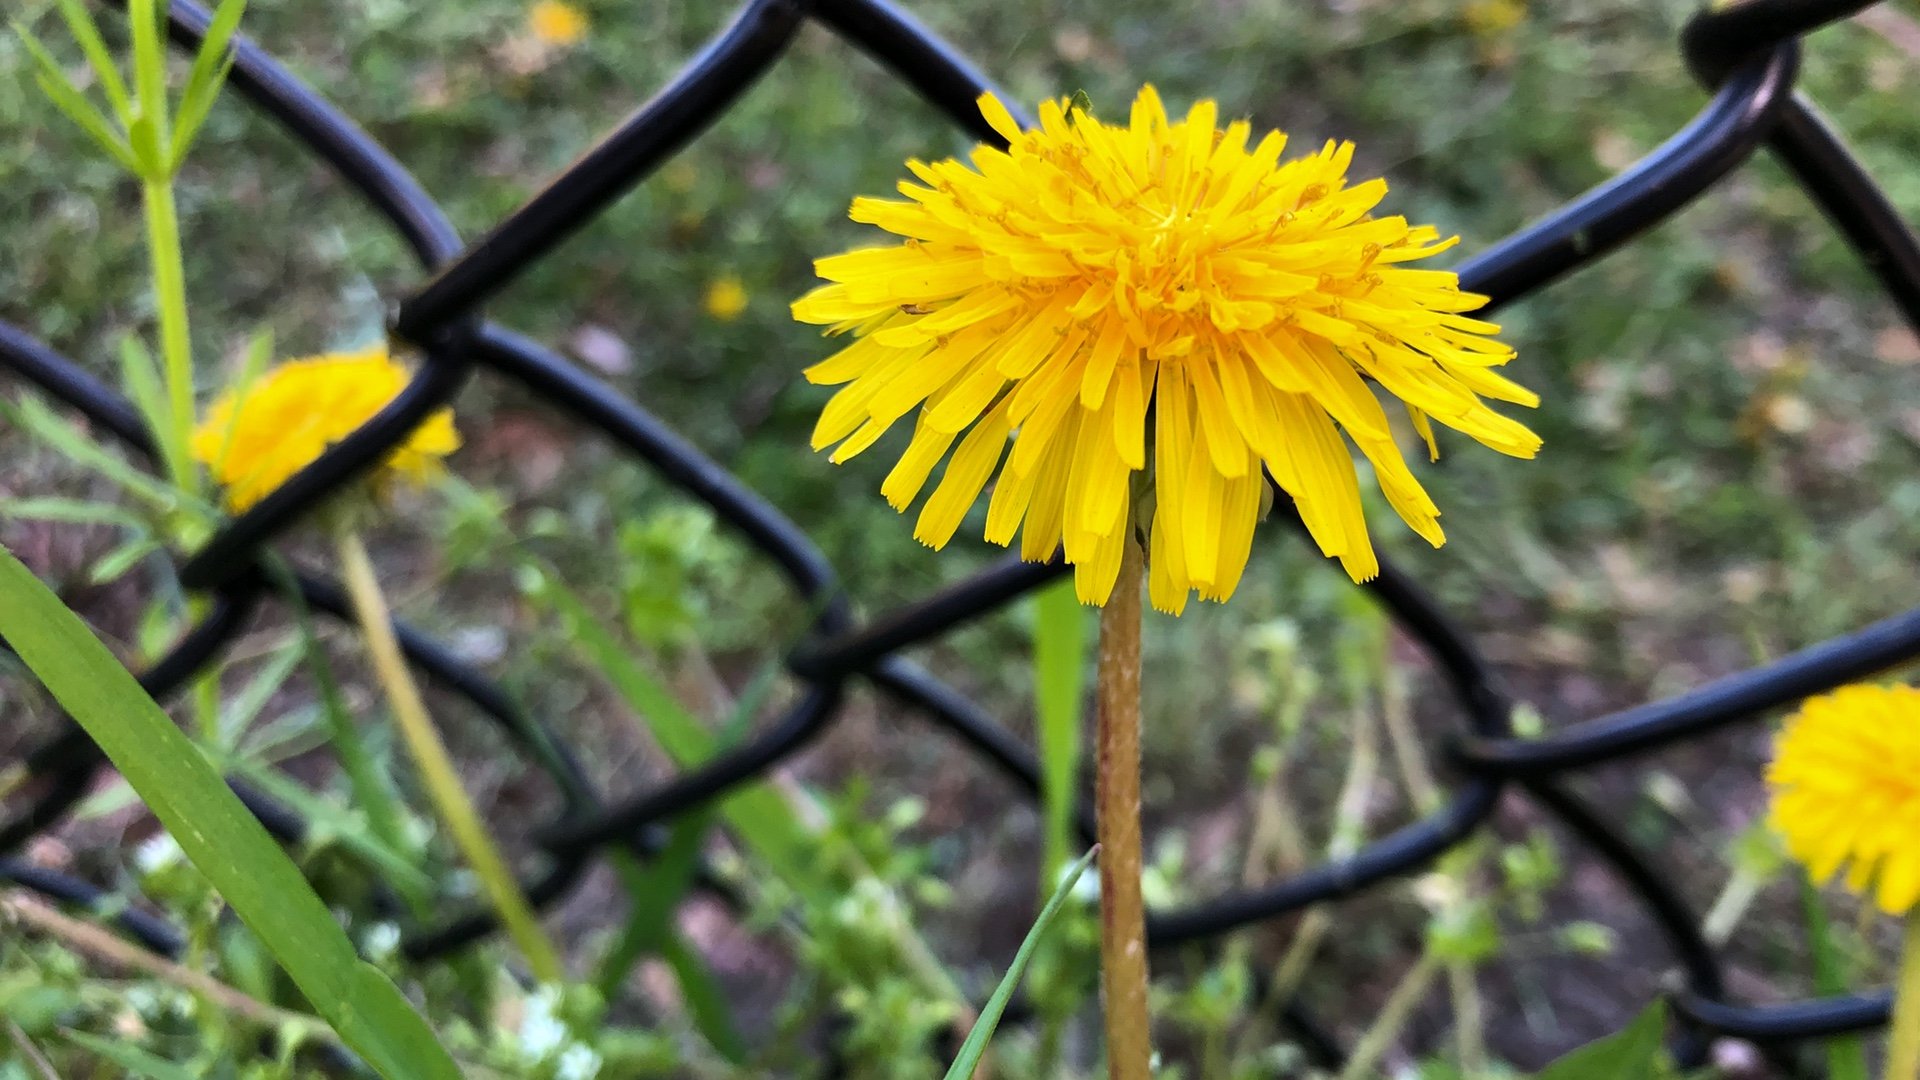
{"x": 258, "y": 435}
{"x": 1154, "y": 298}
{"x": 726, "y": 298}
{"x": 555, "y": 22}
{"x": 1845, "y": 784}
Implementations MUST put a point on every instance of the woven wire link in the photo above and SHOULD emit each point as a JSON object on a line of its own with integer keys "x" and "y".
{"x": 1746, "y": 54}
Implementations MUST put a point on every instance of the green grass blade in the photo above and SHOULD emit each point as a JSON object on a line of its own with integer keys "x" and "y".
{"x": 81, "y": 25}
{"x": 246, "y": 706}
{"x": 150, "y": 78}
{"x": 1846, "y": 1056}
{"x": 969, "y": 1057}
{"x": 47, "y": 427}
{"x": 141, "y": 378}
{"x": 371, "y": 787}
{"x": 69, "y": 512}
{"x": 1059, "y": 670}
{"x": 655, "y": 896}
{"x": 129, "y": 1057}
{"x": 706, "y": 999}
{"x": 74, "y": 105}
{"x": 756, "y": 813}
{"x": 656, "y": 892}
{"x": 117, "y": 563}
{"x": 1637, "y": 1050}
{"x": 398, "y": 869}
{"x": 210, "y": 67}
{"x": 216, "y": 833}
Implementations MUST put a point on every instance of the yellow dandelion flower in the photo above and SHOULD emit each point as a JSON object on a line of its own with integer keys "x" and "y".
{"x": 1093, "y": 280}
{"x": 1845, "y": 781}
{"x": 726, "y": 298}
{"x": 554, "y": 22}
{"x": 1494, "y": 18}
{"x": 254, "y": 439}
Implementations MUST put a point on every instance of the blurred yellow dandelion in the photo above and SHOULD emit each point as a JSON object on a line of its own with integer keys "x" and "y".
{"x": 1494, "y": 18}
{"x": 555, "y": 22}
{"x": 726, "y": 298}
{"x": 1095, "y": 280}
{"x": 1845, "y": 781}
{"x": 254, "y": 438}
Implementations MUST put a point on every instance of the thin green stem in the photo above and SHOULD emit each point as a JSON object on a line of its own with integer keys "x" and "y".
{"x": 176, "y": 346}
{"x": 370, "y": 790}
{"x": 436, "y": 767}
{"x": 206, "y": 688}
{"x": 1903, "y": 1047}
{"x": 1392, "y": 1019}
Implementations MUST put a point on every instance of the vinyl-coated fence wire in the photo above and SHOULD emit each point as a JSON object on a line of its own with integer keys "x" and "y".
{"x": 1746, "y": 54}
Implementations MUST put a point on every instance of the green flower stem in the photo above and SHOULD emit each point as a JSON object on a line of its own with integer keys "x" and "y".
{"x": 436, "y": 766}
{"x": 1392, "y": 1019}
{"x": 1123, "y": 938}
{"x": 176, "y": 347}
{"x": 363, "y": 776}
{"x": 1903, "y": 1047}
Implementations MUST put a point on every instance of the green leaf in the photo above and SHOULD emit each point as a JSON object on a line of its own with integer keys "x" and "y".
{"x": 149, "y": 78}
{"x": 371, "y": 790}
{"x": 141, "y": 378}
{"x": 342, "y": 826}
{"x": 656, "y": 892}
{"x": 655, "y": 897}
{"x": 129, "y": 1057}
{"x": 1846, "y": 1056}
{"x": 1637, "y": 1050}
{"x": 757, "y": 813}
{"x": 216, "y": 833}
{"x": 1059, "y": 672}
{"x": 247, "y": 705}
{"x": 970, "y": 1051}
{"x": 80, "y": 23}
{"x": 69, "y": 100}
{"x": 48, "y": 427}
{"x": 210, "y": 67}
{"x": 69, "y": 512}
{"x": 115, "y": 564}
{"x": 144, "y": 138}
{"x": 706, "y": 999}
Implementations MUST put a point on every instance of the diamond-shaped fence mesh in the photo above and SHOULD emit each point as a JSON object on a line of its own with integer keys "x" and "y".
{"x": 1746, "y": 53}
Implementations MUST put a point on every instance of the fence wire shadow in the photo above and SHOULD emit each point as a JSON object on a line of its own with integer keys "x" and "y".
{"x": 1746, "y": 55}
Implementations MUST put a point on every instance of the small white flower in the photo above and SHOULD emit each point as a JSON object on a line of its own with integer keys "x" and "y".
{"x": 157, "y": 853}
{"x": 380, "y": 940}
{"x": 579, "y": 1062}
{"x": 541, "y": 1032}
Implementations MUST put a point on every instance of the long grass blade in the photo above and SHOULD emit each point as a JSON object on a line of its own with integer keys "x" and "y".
{"x": 215, "y": 831}
{"x": 976, "y": 1045}
{"x": 1059, "y": 669}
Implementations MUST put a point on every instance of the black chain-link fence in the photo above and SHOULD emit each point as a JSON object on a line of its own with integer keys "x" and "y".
{"x": 1747, "y": 53}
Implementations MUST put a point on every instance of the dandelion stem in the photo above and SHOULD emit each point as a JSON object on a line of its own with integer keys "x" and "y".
{"x": 1903, "y": 1048}
{"x": 436, "y": 766}
{"x": 1123, "y": 943}
{"x": 176, "y": 344}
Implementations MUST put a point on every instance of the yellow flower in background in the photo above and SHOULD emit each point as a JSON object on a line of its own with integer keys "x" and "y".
{"x": 1845, "y": 781}
{"x": 1494, "y": 18}
{"x": 1095, "y": 280}
{"x": 554, "y": 22}
{"x": 726, "y": 298}
{"x": 254, "y": 438}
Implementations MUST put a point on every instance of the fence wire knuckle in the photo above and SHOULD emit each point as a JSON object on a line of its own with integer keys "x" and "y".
{"x": 1747, "y": 55}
